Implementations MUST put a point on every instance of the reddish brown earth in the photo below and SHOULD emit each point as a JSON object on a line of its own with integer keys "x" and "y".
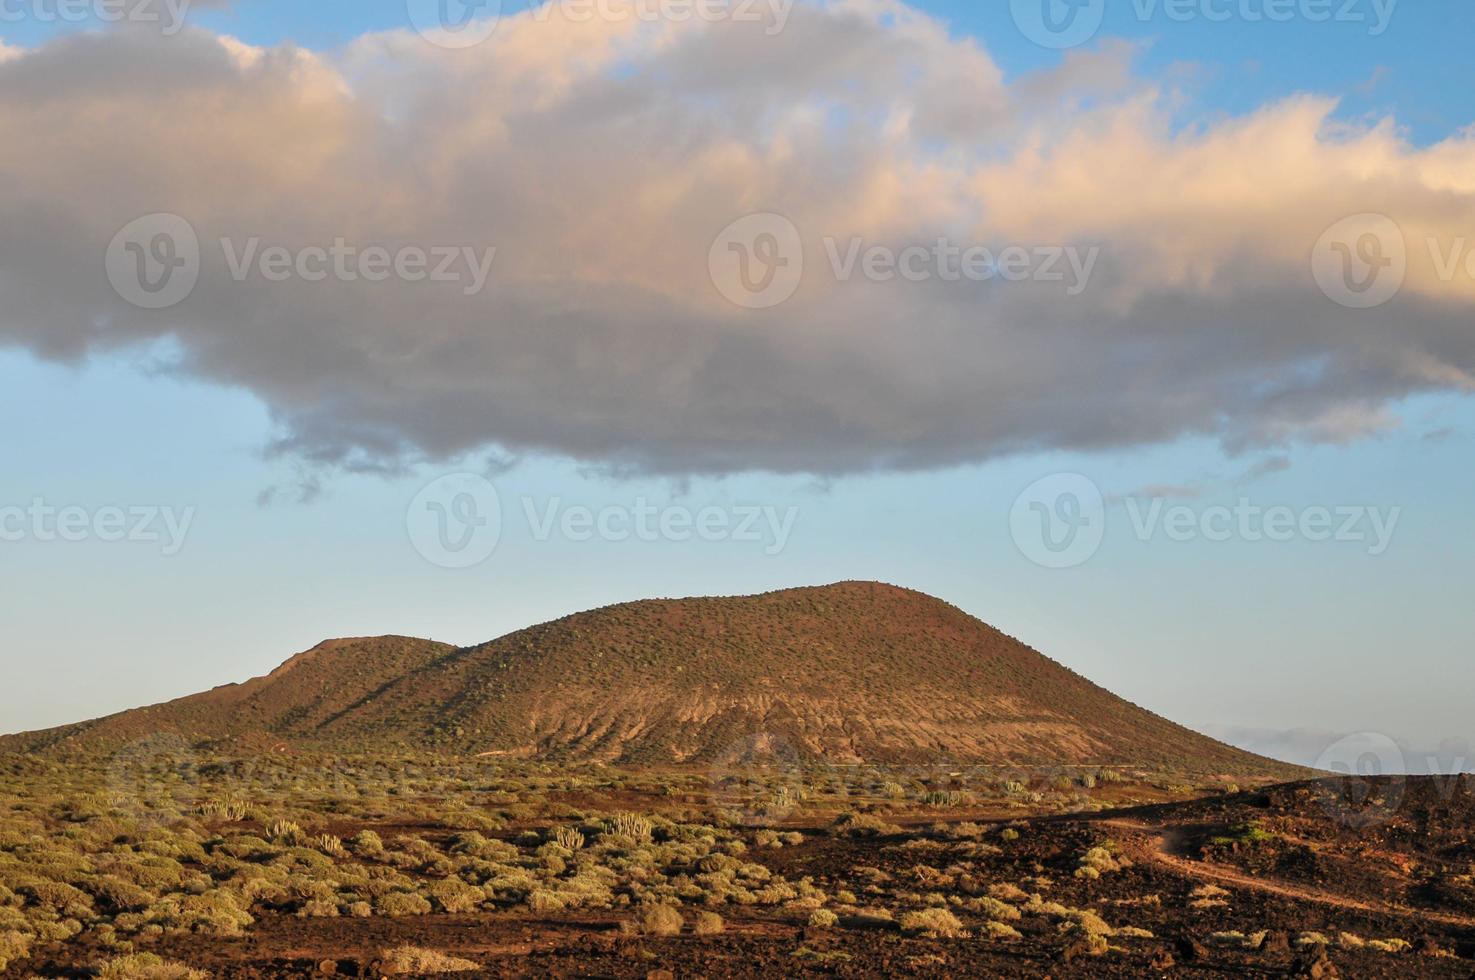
{"x": 1407, "y": 855}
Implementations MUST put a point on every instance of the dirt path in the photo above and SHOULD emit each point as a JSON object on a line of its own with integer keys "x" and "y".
{"x": 1156, "y": 849}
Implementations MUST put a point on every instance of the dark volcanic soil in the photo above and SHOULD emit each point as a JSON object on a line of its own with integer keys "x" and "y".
{"x": 1269, "y": 867}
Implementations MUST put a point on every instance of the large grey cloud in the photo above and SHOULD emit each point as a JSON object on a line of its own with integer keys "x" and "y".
{"x": 601, "y": 159}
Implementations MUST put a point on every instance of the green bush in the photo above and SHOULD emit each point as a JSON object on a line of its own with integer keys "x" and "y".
{"x": 933, "y": 923}
{"x": 660, "y": 920}
{"x": 823, "y": 919}
{"x": 399, "y": 904}
{"x": 14, "y": 947}
{"x": 147, "y": 966}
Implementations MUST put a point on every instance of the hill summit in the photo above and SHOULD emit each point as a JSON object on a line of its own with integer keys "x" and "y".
{"x": 848, "y": 673}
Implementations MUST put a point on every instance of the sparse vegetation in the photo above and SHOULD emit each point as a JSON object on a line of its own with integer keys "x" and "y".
{"x": 147, "y": 966}
{"x": 182, "y": 859}
{"x": 935, "y": 923}
{"x": 412, "y": 959}
{"x": 660, "y": 920}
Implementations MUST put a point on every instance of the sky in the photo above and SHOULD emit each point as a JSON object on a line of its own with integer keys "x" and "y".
{"x": 1146, "y": 340}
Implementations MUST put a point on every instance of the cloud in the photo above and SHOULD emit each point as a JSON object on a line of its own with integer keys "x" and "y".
{"x": 600, "y": 160}
{"x": 1158, "y": 491}
{"x": 1265, "y": 467}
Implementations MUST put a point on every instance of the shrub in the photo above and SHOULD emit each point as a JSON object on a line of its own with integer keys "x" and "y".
{"x": 660, "y": 920}
{"x": 117, "y": 895}
{"x": 543, "y": 901}
{"x": 631, "y": 826}
{"x": 823, "y": 919}
{"x": 330, "y": 845}
{"x": 942, "y": 798}
{"x": 455, "y": 896}
{"x": 14, "y": 946}
{"x": 366, "y": 843}
{"x": 933, "y": 923}
{"x": 708, "y": 924}
{"x": 1097, "y": 862}
{"x": 994, "y": 909}
{"x": 1245, "y": 833}
{"x": 217, "y": 913}
{"x": 864, "y": 825}
{"x": 1207, "y": 897}
{"x": 1087, "y": 922}
{"x": 398, "y": 904}
{"x": 1006, "y": 892}
{"x": 60, "y": 898}
{"x": 569, "y": 837}
{"x": 147, "y": 966}
{"x": 413, "y": 959}
{"x": 285, "y": 831}
{"x": 1000, "y": 930}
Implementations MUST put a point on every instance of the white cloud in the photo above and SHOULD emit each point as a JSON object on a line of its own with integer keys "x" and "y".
{"x": 600, "y": 160}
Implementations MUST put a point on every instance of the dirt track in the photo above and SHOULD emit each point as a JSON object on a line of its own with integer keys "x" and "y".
{"x": 1155, "y": 844}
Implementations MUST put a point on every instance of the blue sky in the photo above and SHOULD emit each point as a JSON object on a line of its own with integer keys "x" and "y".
{"x": 1248, "y": 637}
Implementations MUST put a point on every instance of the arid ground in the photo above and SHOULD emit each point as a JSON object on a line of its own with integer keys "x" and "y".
{"x": 155, "y": 866}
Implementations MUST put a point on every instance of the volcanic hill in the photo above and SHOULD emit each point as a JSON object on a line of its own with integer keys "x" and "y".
{"x": 853, "y": 672}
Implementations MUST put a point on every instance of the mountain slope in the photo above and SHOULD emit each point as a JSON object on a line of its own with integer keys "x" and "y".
{"x": 850, "y": 672}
